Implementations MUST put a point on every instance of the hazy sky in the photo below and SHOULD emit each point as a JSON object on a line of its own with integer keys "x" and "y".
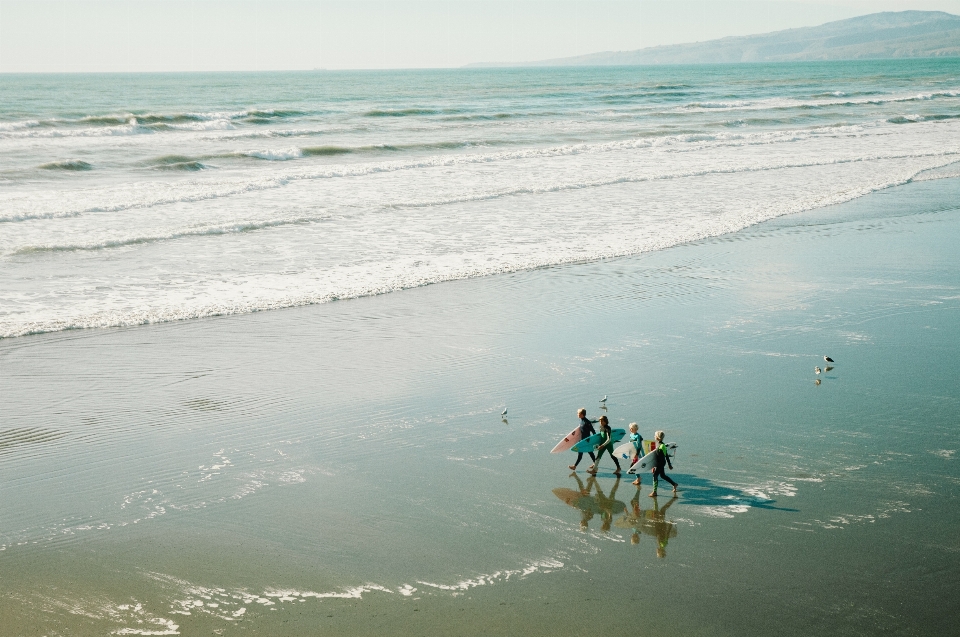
{"x": 201, "y": 35}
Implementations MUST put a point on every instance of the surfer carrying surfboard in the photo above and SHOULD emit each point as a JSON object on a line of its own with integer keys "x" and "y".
{"x": 586, "y": 430}
{"x": 662, "y": 458}
{"x": 605, "y": 446}
{"x": 637, "y": 441}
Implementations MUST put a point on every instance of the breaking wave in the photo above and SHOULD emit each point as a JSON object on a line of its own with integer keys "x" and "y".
{"x": 327, "y": 192}
{"x": 400, "y": 112}
{"x": 133, "y": 123}
{"x": 70, "y": 165}
{"x": 545, "y": 188}
{"x": 679, "y": 143}
{"x": 232, "y": 228}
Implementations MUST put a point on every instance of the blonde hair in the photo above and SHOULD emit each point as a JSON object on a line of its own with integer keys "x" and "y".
{"x": 659, "y": 436}
{"x": 581, "y": 412}
{"x": 633, "y": 426}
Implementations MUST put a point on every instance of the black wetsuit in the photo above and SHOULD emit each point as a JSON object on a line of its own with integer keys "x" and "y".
{"x": 661, "y": 460}
{"x": 586, "y": 430}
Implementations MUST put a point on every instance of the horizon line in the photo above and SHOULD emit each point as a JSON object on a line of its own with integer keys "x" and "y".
{"x": 483, "y": 66}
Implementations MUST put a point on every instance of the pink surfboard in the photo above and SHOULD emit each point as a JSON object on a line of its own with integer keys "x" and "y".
{"x": 571, "y": 439}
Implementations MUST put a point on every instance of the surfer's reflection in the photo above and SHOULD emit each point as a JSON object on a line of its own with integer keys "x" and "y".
{"x": 651, "y": 522}
{"x": 591, "y": 505}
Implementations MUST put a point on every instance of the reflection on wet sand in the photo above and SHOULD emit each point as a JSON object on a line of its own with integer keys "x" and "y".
{"x": 592, "y": 501}
{"x": 591, "y": 505}
{"x": 717, "y": 500}
{"x": 651, "y": 522}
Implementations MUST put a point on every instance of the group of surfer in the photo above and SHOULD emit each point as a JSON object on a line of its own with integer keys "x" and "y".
{"x": 605, "y": 445}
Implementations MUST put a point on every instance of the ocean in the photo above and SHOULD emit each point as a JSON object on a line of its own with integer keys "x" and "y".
{"x": 190, "y": 464}
{"x": 132, "y": 199}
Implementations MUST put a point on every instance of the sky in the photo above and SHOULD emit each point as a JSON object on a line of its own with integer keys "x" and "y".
{"x": 261, "y": 35}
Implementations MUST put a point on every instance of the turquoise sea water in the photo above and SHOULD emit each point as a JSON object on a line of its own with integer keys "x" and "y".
{"x": 343, "y": 468}
{"x": 130, "y": 199}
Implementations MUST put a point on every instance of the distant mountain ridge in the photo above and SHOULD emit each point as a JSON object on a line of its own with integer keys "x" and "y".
{"x": 901, "y": 34}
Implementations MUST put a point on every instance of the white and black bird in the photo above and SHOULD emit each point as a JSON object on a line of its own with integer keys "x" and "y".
{"x": 504, "y": 412}
{"x": 604, "y": 399}
{"x": 817, "y": 370}
{"x": 827, "y": 359}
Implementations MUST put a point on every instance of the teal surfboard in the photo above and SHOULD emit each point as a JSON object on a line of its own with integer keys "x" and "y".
{"x": 588, "y": 444}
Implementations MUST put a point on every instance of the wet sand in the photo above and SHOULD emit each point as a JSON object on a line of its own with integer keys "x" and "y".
{"x": 343, "y": 468}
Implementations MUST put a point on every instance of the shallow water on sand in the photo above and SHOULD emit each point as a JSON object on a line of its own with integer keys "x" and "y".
{"x": 344, "y": 468}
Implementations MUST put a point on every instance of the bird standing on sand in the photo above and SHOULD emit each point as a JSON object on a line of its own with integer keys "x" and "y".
{"x": 817, "y": 370}
{"x": 604, "y": 399}
{"x": 827, "y": 359}
{"x": 504, "y": 412}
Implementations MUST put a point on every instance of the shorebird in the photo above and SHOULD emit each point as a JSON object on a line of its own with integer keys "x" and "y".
{"x": 504, "y": 412}
{"x": 604, "y": 399}
{"x": 827, "y": 359}
{"x": 817, "y": 370}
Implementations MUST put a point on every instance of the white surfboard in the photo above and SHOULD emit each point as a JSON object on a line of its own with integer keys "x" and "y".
{"x": 569, "y": 440}
{"x": 647, "y": 462}
{"x": 625, "y": 452}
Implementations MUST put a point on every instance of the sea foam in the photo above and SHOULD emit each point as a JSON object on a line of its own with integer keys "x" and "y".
{"x": 113, "y": 218}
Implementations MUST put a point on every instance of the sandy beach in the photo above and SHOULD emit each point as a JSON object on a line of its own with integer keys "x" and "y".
{"x": 343, "y": 468}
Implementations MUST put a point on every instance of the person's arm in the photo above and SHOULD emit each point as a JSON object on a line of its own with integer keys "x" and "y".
{"x": 603, "y": 443}
{"x": 666, "y": 455}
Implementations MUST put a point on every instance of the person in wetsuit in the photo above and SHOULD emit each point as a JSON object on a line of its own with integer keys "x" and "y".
{"x": 586, "y": 430}
{"x": 662, "y": 458}
{"x": 605, "y": 446}
{"x": 637, "y": 440}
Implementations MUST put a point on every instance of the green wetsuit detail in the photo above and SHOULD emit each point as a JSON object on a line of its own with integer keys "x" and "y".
{"x": 605, "y": 446}
{"x": 658, "y": 469}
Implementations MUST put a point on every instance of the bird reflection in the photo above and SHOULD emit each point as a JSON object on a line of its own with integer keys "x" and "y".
{"x": 651, "y": 522}
{"x": 591, "y": 505}
{"x": 505, "y": 421}
{"x": 817, "y": 382}
{"x": 828, "y": 368}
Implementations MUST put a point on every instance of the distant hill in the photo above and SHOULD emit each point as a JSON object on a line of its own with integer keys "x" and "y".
{"x": 902, "y": 34}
